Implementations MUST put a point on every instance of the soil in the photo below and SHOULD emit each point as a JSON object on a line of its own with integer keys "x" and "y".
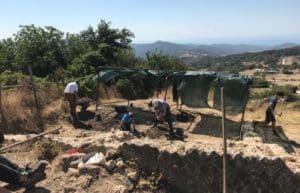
{"x": 98, "y": 130}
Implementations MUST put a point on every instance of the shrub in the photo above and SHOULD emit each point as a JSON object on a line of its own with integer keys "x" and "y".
{"x": 260, "y": 83}
{"x": 87, "y": 86}
{"x": 287, "y": 90}
{"x": 8, "y": 79}
{"x": 125, "y": 88}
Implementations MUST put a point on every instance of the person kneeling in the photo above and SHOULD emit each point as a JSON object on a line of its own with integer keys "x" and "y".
{"x": 128, "y": 123}
{"x": 22, "y": 176}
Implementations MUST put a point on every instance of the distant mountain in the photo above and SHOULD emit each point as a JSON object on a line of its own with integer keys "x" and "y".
{"x": 198, "y": 50}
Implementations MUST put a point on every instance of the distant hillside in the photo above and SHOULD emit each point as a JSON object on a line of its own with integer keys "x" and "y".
{"x": 195, "y": 50}
{"x": 239, "y": 62}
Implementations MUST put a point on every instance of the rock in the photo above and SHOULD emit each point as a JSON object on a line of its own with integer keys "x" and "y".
{"x": 72, "y": 172}
{"x": 69, "y": 190}
{"x": 120, "y": 164}
{"x": 133, "y": 176}
{"x": 247, "y": 128}
{"x": 144, "y": 185}
{"x": 250, "y": 134}
{"x": 91, "y": 170}
{"x": 120, "y": 189}
{"x": 97, "y": 159}
{"x": 110, "y": 165}
{"x": 67, "y": 159}
{"x": 110, "y": 153}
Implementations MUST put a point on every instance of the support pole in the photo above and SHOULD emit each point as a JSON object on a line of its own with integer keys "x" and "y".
{"x": 243, "y": 114}
{"x": 0, "y": 98}
{"x": 37, "y": 105}
{"x": 224, "y": 143}
{"x": 97, "y": 91}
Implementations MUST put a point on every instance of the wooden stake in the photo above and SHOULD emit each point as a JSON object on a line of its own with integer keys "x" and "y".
{"x": 35, "y": 97}
{"x": 224, "y": 143}
{"x": 0, "y": 98}
{"x": 2, "y": 150}
{"x": 97, "y": 91}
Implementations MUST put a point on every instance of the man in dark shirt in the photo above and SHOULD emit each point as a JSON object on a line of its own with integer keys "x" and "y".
{"x": 270, "y": 112}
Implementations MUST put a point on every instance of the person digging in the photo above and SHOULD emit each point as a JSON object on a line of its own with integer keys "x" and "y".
{"x": 71, "y": 95}
{"x": 128, "y": 122}
{"x": 162, "y": 114}
{"x": 21, "y": 176}
{"x": 270, "y": 112}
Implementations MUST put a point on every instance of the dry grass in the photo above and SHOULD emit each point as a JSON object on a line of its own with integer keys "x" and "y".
{"x": 19, "y": 111}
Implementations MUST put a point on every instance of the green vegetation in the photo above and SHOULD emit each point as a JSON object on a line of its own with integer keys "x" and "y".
{"x": 287, "y": 90}
{"x": 260, "y": 83}
{"x": 58, "y": 57}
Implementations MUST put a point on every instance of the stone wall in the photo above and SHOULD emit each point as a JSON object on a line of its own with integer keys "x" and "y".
{"x": 199, "y": 171}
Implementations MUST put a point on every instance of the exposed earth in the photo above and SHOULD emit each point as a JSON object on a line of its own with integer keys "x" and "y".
{"x": 261, "y": 162}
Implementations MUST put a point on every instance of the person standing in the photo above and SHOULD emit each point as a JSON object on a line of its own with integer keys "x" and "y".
{"x": 270, "y": 111}
{"x": 71, "y": 95}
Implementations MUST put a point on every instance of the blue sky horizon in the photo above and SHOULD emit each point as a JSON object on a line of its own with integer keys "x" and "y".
{"x": 264, "y": 22}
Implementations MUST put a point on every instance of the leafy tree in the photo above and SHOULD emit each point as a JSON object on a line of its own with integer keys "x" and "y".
{"x": 126, "y": 89}
{"x": 107, "y": 41}
{"x": 85, "y": 64}
{"x": 75, "y": 46}
{"x": 41, "y": 48}
{"x": 7, "y": 55}
{"x": 160, "y": 61}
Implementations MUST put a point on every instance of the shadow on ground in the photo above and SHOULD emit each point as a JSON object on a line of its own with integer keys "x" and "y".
{"x": 212, "y": 125}
{"x": 279, "y": 137}
{"x": 28, "y": 190}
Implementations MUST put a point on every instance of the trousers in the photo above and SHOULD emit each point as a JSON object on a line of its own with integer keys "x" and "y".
{"x": 9, "y": 171}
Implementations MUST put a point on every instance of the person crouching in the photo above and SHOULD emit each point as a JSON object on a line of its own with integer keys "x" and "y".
{"x": 128, "y": 122}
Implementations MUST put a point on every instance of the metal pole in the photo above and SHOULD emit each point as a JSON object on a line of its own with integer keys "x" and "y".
{"x": 224, "y": 143}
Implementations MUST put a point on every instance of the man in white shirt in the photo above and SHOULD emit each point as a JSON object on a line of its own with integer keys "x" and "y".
{"x": 71, "y": 94}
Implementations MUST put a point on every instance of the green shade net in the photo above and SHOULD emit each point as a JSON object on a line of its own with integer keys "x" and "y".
{"x": 193, "y": 87}
{"x": 236, "y": 90}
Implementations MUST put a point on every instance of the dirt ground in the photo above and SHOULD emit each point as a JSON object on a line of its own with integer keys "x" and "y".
{"x": 99, "y": 131}
{"x": 280, "y": 79}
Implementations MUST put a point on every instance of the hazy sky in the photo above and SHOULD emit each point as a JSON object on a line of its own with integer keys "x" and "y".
{"x": 182, "y": 21}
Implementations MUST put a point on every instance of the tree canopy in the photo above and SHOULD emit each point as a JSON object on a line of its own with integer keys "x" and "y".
{"x": 49, "y": 51}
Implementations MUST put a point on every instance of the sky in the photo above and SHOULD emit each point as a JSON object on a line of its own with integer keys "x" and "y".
{"x": 179, "y": 21}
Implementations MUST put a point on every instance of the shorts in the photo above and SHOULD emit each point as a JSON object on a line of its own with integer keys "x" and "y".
{"x": 270, "y": 117}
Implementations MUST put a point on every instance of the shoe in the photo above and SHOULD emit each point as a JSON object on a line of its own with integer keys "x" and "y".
{"x": 35, "y": 175}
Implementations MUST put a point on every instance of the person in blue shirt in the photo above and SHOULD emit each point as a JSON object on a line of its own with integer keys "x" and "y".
{"x": 270, "y": 112}
{"x": 128, "y": 123}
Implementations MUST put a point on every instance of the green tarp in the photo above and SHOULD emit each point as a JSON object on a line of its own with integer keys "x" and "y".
{"x": 235, "y": 93}
{"x": 193, "y": 87}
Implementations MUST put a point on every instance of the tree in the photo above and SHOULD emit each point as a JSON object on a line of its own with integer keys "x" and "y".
{"x": 160, "y": 61}
{"x": 40, "y": 48}
{"x": 108, "y": 41}
{"x": 75, "y": 46}
{"x": 7, "y": 55}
